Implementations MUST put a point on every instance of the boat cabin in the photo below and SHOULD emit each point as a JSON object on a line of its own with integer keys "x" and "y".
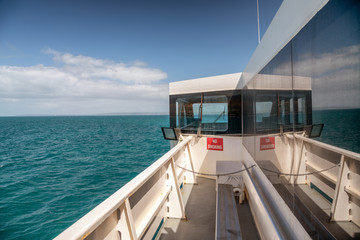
{"x": 220, "y": 105}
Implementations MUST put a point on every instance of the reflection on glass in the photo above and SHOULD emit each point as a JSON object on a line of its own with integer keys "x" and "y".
{"x": 323, "y": 60}
{"x": 286, "y": 110}
{"x": 217, "y": 112}
{"x": 266, "y": 112}
{"x": 210, "y": 113}
{"x": 327, "y": 50}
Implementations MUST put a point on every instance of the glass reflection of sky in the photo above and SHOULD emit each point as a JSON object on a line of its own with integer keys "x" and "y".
{"x": 327, "y": 50}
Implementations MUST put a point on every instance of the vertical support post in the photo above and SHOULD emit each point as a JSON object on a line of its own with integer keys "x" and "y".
{"x": 340, "y": 206}
{"x": 175, "y": 201}
{"x": 190, "y": 176}
{"x": 301, "y": 165}
{"x": 126, "y": 226}
{"x": 292, "y": 147}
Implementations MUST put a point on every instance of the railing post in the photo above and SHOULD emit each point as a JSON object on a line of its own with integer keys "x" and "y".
{"x": 175, "y": 202}
{"x": 340, "y": 205}
{"x": 291, "y": 181}
{"x": 301, "y": 165}
{"x": 190, "y": 176}
{"x": 126, "y": 226}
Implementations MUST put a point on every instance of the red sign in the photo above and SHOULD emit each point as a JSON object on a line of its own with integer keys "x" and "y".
{"x": 267, "y": 143}
{"x": 215, "y": 144}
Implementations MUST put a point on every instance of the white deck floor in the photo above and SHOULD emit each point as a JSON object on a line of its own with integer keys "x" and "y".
{"x": 200, "y": 208}
{"x": 199, "y": 200}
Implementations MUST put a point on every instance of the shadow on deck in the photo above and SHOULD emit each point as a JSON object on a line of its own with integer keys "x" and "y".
{"x": 312, "y": 210}
{"x": 199, "y": 200}
{"x": 200, "y": 208}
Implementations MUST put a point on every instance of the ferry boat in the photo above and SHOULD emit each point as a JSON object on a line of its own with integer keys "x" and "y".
{"x": 245, "y": 162}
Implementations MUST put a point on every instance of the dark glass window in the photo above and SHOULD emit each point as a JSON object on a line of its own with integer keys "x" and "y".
{"x": 208, "y": 112}
{"x": 286, "y": 110}
{"x": 211, "y": 112}
{"x": 266, "y": 112}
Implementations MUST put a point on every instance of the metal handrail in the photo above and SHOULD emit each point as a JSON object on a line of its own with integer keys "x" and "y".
{"x": 341, "y": 178}
{"x": 347, "y": 153}
{"x": 277, "y": 218}
{"x": 88, "y": 223}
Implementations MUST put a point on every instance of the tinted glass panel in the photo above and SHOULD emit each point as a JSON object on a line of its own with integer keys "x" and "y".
{"x": 213, "y": 112}
{"x": 266, "y": 112}
{"x": 327, "y": 50}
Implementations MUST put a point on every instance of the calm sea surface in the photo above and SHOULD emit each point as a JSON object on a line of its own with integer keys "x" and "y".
{"x": 56, "y": 169}
{"x": 341, "y": 128}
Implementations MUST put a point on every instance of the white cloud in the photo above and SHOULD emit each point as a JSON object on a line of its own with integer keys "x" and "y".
{"x": 77, "y": 80}
{"x": 92, "y": 68}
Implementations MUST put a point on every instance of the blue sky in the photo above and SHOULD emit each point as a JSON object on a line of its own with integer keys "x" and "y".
{"x": 93, "y": 57}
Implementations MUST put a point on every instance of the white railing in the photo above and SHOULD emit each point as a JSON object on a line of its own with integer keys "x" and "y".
{"x": 340, "y": 185}
{"x": 273, "y": 217}
{"x": 139, "y": 208}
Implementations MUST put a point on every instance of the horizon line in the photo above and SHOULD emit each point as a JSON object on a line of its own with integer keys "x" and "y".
{"x": 92, "y": 115}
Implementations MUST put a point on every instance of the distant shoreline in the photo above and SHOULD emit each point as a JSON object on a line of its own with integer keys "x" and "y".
{"x": 92, "y": 115}
{"x": 141, "y": 113}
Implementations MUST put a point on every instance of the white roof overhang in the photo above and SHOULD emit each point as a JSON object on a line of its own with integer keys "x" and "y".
{"x": 206, "y": 84}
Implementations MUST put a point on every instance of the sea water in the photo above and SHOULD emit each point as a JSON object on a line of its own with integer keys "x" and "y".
{"x": 56, "y": 169}
{"x": 341, "y": 128}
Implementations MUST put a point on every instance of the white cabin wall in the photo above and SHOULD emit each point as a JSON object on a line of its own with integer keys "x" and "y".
{"x": 205, "y": 160}
{"x": 281, "y": 159}
{"x": 280, "y": 156}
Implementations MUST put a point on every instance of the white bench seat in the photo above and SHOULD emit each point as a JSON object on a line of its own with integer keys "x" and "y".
{"x": 227, "y": 219}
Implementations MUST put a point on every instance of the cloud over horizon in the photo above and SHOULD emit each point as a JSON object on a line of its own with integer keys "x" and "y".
{"x": 75, "y": 81}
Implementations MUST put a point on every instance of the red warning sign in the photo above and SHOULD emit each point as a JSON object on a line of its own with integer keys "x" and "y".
{"x": 267, "y": 143}
{"x": 215, "y": 144}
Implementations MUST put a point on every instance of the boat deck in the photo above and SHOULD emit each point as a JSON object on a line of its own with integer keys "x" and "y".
{"x": 309, "y": 206}
{"x": 200, "y": 208}
{"x": 200, "y": 205}
{"x": 313, "y": 211}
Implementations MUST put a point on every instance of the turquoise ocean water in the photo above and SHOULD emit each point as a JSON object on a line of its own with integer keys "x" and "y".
{"x": 341, "y": 128}
{"x": 56, "y": 169}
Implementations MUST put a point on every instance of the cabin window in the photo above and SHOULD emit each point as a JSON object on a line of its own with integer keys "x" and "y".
{"x": 273, "y": 109}
{"x": 266, "y": 112}
{"x": 301, "y": 110}
{"x": 286, "y": 110}
{"x": 210, "y": 113}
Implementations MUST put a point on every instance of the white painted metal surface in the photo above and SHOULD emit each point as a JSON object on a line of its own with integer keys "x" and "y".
{"x": 341, "y": 183}
{"x": 227, "y": 219}
{"x": 205, "y": 160}
{"x": 206, "y": 84}
{"x": 273, "y": 217}
{"x": 139, "y": 208}
{"x": 285, "y": 157}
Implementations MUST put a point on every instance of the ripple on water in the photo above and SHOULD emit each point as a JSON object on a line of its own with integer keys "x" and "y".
{"x": 56, "y": 169}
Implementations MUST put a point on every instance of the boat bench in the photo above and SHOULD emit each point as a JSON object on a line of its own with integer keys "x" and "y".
{"x": 227, "y": 219}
